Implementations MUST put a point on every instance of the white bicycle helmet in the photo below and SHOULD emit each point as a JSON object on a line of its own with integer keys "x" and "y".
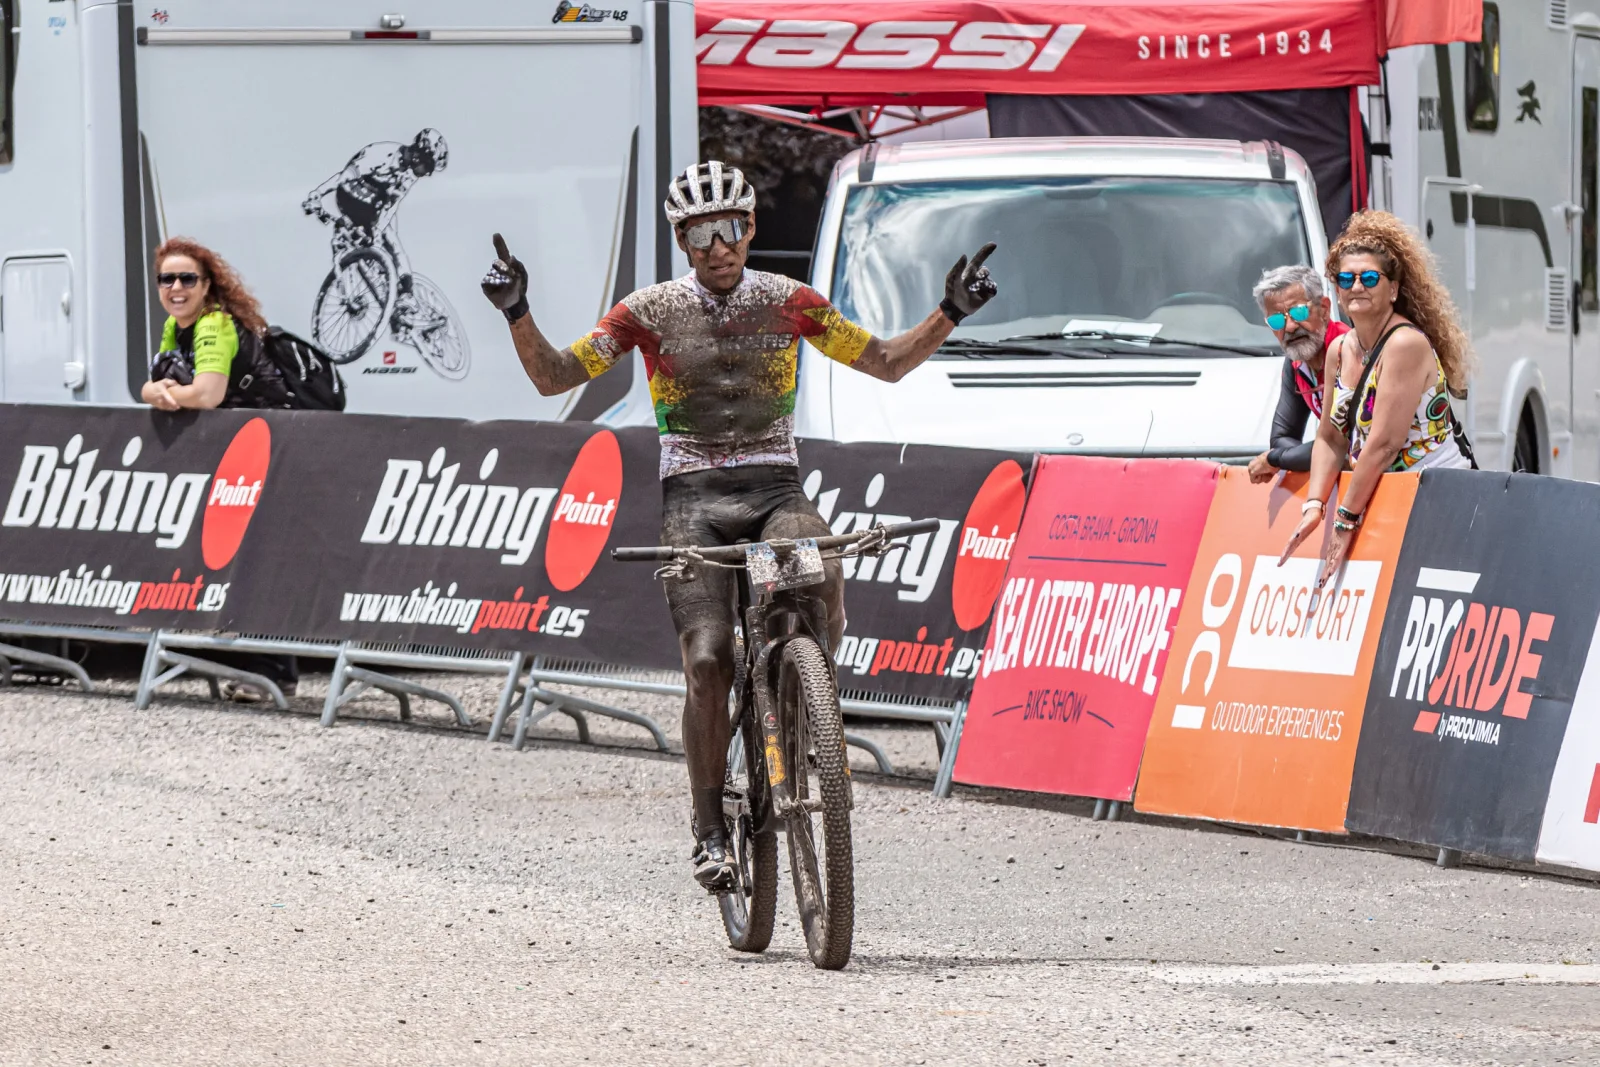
{"x": 707, "y": 188}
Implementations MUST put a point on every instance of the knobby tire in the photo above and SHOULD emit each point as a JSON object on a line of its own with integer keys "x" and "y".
{"x": 825, "y": 895}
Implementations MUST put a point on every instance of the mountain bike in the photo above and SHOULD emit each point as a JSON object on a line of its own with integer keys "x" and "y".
{"x": 786, "y": 765}
{"x": 360, "y": 296}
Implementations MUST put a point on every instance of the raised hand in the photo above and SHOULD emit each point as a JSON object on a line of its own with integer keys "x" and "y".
{"x": 968, "y": 286}
{"x": 506, "y": 283}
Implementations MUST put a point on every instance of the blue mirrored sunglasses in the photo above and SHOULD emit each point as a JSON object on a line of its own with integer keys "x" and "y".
{"x": 1369, "y": 278}
{"x": 1299, "y": 313}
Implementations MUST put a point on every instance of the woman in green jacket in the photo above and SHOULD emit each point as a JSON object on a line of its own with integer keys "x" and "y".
{"x": 211, "y": 316}
{"x": 210, "y": 313}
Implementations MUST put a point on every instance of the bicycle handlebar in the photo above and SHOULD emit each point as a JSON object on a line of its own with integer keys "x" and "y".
{"x": 734, "y": 553}
{"x": 643, "y": 555}
{"x": 906, "y": 529}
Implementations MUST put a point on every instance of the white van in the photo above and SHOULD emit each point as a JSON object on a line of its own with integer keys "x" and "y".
{"x": 1124, "y": 325}
{"x": 261, "y": 127}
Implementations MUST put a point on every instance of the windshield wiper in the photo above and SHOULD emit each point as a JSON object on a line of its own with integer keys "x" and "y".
{"x": 1140, "y": 342}
{"x": 973, "y": 348}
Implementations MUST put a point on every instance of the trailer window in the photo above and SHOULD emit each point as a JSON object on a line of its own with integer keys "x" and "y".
{"x": 1590, "y": 288}
{"x": 1483, "y": 75}
{"x": 8, "y": 65}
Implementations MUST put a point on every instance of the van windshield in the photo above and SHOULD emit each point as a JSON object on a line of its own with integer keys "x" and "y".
{"x": 1086, "y": 266}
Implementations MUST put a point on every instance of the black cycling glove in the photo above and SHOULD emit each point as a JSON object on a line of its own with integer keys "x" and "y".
{"x": 506, "y": 284}
{"x": 968, "y": 286}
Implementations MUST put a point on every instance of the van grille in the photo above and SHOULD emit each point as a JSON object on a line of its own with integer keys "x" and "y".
{"x": 1071, "y": 379}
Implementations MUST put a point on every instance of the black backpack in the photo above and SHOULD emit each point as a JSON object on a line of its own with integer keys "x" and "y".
{"x": 280, "y": 370}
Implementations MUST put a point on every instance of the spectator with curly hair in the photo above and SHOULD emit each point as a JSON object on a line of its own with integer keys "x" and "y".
{"x": 212, "y": 318}
{"x": 1388, "y": 381}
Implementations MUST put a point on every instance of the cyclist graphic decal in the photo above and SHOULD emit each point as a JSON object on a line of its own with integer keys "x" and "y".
{"x": 371, "y": 285}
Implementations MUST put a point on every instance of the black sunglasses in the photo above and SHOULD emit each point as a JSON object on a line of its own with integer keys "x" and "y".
{"x": 186, "y": 279}
{"x": 1369, "y": 278}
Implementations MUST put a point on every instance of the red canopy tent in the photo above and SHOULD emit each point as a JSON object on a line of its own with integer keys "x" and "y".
{"x": 1190, "y": 68}
{"x": 956, "y": 52}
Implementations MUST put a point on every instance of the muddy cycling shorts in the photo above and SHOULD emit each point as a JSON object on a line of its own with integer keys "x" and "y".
{"x": 722, "y": 507}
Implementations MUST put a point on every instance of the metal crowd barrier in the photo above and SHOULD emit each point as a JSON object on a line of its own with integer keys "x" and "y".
{"x": 10, "y": 654}
{"x": 163, "y": 665}
{"x": 167, "y": 657}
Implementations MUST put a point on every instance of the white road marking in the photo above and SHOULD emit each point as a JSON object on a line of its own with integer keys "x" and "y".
{"x": 1378, "y": 974}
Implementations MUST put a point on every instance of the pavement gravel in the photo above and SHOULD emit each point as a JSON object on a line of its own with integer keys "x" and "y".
{"x": 211, "y": 884}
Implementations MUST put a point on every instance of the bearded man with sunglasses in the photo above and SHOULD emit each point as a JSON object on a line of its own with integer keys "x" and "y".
{"x": 1298, "y": 312}
{"x": 720, "y": 347}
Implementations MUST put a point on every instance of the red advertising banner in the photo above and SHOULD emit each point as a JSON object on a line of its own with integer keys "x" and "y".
{"x": 750, "y": 51}
{"x": 1083, "y": 625}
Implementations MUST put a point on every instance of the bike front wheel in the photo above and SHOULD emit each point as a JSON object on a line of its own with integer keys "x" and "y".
{"x": 353, "y": 304}
{"x": 822, "y": 864}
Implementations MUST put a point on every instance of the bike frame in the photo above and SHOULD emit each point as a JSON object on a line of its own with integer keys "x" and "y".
{"x": 770, "y": 621}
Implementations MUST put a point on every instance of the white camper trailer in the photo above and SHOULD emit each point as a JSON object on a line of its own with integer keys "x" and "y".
{"x": 1493, "y": 150}
{"x": 271, "y": 131}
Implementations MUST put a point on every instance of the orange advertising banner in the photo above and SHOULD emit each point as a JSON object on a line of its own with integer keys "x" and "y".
{"x": 1260, "y": 706}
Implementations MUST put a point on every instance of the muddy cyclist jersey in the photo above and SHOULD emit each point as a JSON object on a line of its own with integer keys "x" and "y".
{"x": 722, "y": 368}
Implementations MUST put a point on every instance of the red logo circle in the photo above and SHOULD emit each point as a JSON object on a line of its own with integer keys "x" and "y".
{"x": 984, "y": 550}
{"x": 235, "y": 491}
{"x": 585, "y": 512}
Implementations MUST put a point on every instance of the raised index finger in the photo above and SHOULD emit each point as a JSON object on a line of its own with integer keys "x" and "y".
{"x": 982, "y": 254}
{"x": 501, "y": 250}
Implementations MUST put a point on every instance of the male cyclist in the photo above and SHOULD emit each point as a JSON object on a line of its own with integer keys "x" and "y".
{"x": 719, "y": 347}
{"x": 367, "y": 193}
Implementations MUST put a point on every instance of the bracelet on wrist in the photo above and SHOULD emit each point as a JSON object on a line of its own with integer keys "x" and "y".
{"x": 1345, "y": 527}
{"x": 951, "y": 312}
{"x": 1349, "y": 516}
{"x": 517, "y": 310}
{"x": 1309, "y": 505}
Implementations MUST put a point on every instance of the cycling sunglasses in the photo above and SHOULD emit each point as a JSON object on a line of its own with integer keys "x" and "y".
{"x": 1369, "y": 278}
{"x": 186, "y": 279}
{"x": 1299, "y": 313}
{"x": 701, "y": 234}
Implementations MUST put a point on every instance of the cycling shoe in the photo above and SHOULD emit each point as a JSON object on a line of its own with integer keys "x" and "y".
{"x": 713, "y": 865}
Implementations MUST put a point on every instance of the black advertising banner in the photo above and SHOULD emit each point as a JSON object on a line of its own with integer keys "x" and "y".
{"x": 1486, "y": 635}
{"x": 916, "y": 618}
{"x": 125, "y": 516}
{"x": 461, "y": 534}
{"x": 456, "y": 534}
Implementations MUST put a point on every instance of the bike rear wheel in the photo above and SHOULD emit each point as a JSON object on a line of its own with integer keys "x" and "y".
{"x": 437, "y": 334}
{"x": 749, "y": 909}
{"x": 822, "y": 864}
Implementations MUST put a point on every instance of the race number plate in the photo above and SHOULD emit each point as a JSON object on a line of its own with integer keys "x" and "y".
{"x": 803, "y": 566}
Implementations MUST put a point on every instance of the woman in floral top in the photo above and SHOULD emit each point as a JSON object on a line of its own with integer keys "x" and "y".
{"x": 1405, "y": 356}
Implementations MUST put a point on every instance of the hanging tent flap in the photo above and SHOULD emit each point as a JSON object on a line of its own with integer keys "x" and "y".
{"x": 1407, "y": 22}
{"x": 1313, "y": 122}
{"x": 899, "y": 51}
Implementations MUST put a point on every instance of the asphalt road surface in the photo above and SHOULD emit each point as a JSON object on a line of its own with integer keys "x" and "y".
{"x": 198, "y": 884}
